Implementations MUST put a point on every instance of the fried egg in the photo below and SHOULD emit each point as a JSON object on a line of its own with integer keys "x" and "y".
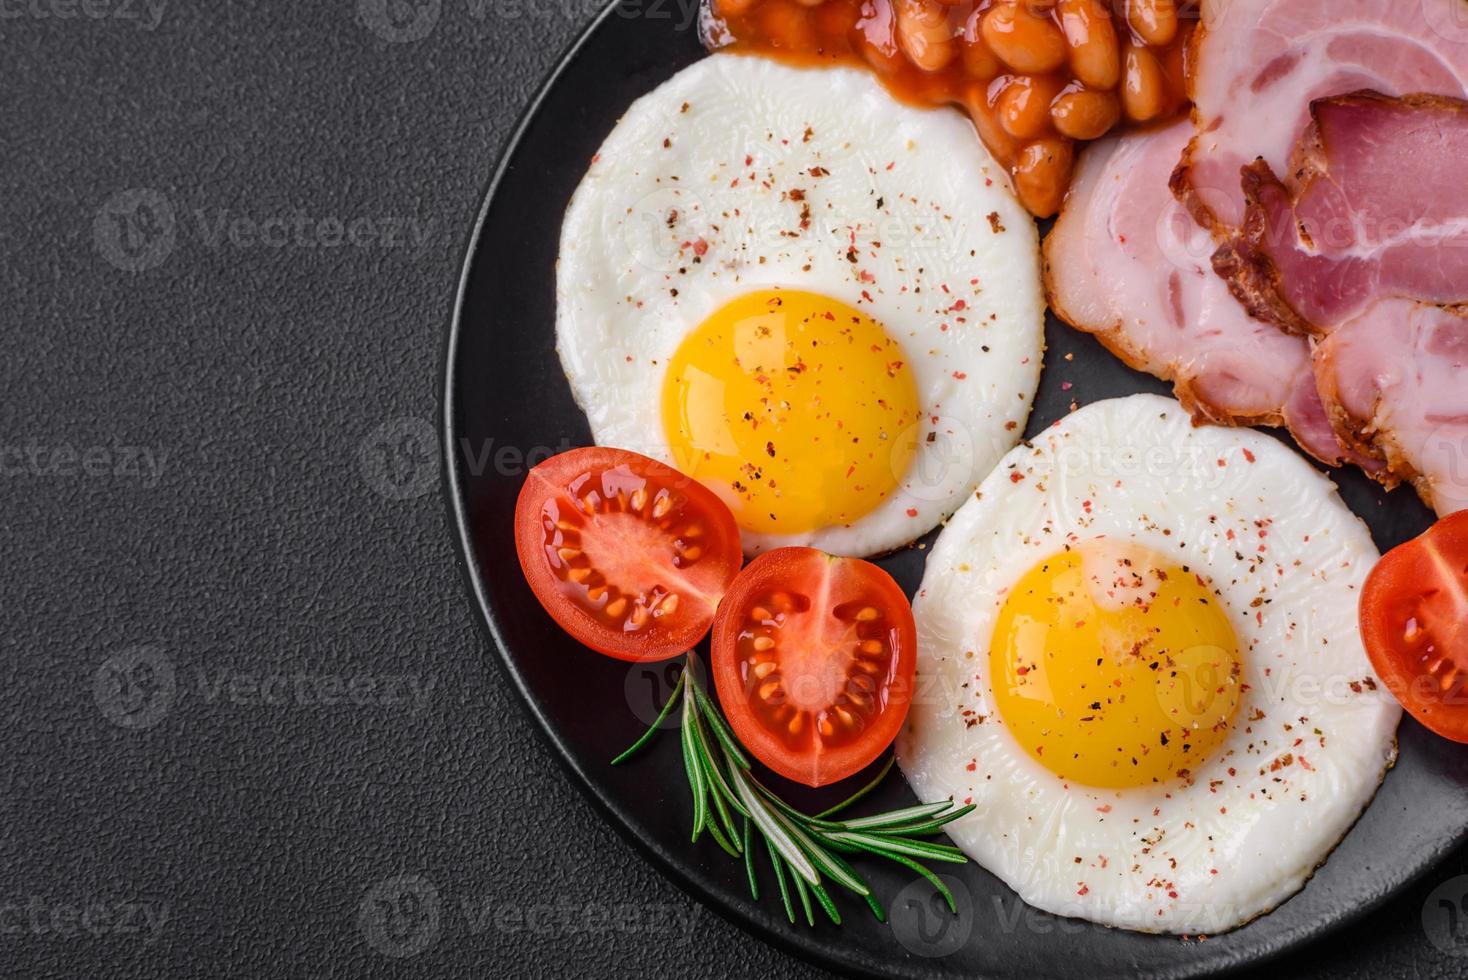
{"x": 823, "y": 304}
{"x": 1138, "y": 656}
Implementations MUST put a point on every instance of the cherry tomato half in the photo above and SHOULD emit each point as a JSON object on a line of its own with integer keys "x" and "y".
{"x": 628, "y": 555}
{"x": 813, "y": 659}
{"x": 1414, "y": 623}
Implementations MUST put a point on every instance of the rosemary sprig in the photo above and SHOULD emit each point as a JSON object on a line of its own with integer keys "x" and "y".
{"x": 805, "y": 851}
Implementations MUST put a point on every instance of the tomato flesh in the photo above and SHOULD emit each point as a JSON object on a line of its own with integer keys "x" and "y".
{"x": 813, "y": 660}
{"x": 1414, "y": 623}
{"x": 628, "y": 555}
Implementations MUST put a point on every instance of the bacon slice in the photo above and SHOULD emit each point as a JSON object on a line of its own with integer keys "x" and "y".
{"x": 1394, "y": 379}
{"x": 1373, "y": 213}
{"x": 1259, "y": 64}
{"x": 1126, "y": 263}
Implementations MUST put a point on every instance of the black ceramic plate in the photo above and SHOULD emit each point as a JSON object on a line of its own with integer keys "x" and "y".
{"x": 507, "y": 401}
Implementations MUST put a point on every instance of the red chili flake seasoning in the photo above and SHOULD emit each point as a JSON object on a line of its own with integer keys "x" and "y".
{"x": 1248, "y": 455}
{"x": 1066, "y": 386}
{"x": 960, "y": 375}
{"x": 1083, "y": 890}
{"x": 1106, "y": 808}
{"x": 700, "y": 247}
{"x": 1016, "y": 477}
{"x": 912, "y": 512}
{"x": 972, "y": 766}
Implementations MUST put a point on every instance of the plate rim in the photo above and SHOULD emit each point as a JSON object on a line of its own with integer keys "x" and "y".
{"x": 451, "y": 488}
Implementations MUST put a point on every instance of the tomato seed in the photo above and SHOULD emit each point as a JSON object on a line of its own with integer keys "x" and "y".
{"x": 639, "y": 499}
{"x": 763, "y": 643}
{"x": 866, "y": 615}
{"x": 661, "y": 507}
{"x": 617, "y": 607}
{"x": 765, "y": 669}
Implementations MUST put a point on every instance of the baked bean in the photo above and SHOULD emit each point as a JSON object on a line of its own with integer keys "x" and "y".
{"x": 1144, "y": 87}
{"x": 1042, "y": 174}
{"x": 1085, "y": 115}
{"x": 1026, "y": 41}
{"x": 787, "y": 20}
{"x": 1023, "y": 106}
{"x": 1154, "y": 21}
{"x": 978, "y": 61}
{"x": 924, "y": 33}
{"x": 1003, "y": 146}
{"x": 1095, "y": 56}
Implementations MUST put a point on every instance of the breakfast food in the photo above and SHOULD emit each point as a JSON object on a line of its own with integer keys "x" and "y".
{"x": 1393, "y": 377}
{"x": 1413, "y": 610}
{"x": 1125, "y": 261}
{"x": 1259, "y": 64}
{"x": 813, "y": 658}
{"x": 1314, "y": 171}
{"x": 1138, "y": 656}
{"x": 822, "y": 304}
{"x": 1150, "y": 678}
{"x": 627, "y": 555}
{"x": 1037, "y": 76}
{"x": 1366, "y": 214}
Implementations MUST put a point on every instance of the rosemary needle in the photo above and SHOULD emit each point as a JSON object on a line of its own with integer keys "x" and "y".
{"x": 809, "y": 847}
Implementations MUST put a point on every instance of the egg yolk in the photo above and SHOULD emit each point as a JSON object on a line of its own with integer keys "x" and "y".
{"x": 800, "y": 411}
{"x": 1113, "y": 667}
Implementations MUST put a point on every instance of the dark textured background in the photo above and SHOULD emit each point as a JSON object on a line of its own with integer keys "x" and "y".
{"x": 242, "y": 683}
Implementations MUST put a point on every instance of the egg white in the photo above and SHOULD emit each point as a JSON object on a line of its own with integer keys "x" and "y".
{"x": 1315, "y": 729}
{"x": 904, "y": 216}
